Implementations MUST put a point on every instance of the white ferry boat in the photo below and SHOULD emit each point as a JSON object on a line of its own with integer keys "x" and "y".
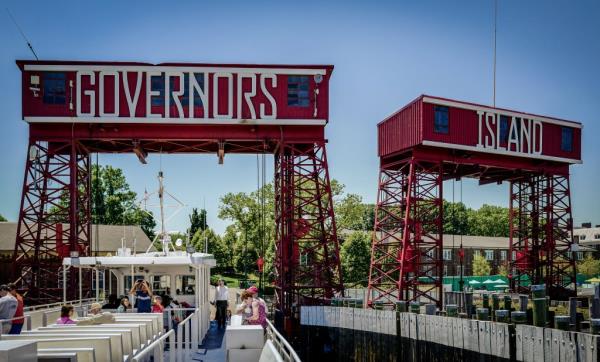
{"x": 136, "y": 336}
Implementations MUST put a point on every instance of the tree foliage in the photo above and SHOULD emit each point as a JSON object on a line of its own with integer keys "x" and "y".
{"x": 113, "y": 202}
{"x": 214, "y": 245}
{"x": 589, "y": 266}
{"x": 355, "y": 255}
{"x": 480, "y": 265}
{"x": 488, "y": 220}
{"x": 2, "y": 218}
{"x": 197, "y": 221}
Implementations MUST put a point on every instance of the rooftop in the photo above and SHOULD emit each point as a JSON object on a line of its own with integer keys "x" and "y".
{"x": 109, "y": 237}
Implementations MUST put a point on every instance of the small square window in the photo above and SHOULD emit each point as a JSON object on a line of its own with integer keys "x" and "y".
{"x": 503, "y": 254}
{"x": 579, "y": 255}
{"x": 440, "y": 124}
{"x": 489, "y": 255}
{"x": 54, "y": 88}
{"x": 447, "y": 254}
{"x": 581, "y": 237}
{"x": 298, "y": 91}
{"x": 567, "y": 139}
{"x": 596, "y": 236}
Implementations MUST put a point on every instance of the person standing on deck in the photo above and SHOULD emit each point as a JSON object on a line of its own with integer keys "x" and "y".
{"x": 17, "y": 324}
{"x": 221, "y": 303}
{"x": 143, "y": 296}
{"x": 8, "y": 307}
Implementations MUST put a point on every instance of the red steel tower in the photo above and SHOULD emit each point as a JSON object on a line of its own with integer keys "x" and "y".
{"x": 435, "y": 139}
{"x": 75, "y": 109}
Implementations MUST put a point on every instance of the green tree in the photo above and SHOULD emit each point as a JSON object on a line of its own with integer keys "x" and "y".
{"x": 113, "y": 202}
{"x": 350, "y": 213}
{"x": 489, "y": 220}
{"x": 456, "y": 218}
{"x": 2, "y": 218}
{"x": 503, "y": 270}
{"x": 589, "y": 266}
{"x": 480, "y": 265}
{"x": 355, "y": 255}
{"x": 197, "y": 221}
{"x": 215, "y": 246}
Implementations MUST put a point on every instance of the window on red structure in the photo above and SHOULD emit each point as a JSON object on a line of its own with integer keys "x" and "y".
{"x": 54, "y": 84}
{"x": 298, "y": 91}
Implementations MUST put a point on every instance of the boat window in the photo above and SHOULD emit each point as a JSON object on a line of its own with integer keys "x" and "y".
{"x": 161, "y": 284}
{"x": 185, "y": 285}
{"x": 128, "y": 283}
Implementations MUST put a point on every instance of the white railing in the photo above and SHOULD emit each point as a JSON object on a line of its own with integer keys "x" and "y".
{"x": 59, "y": 304}
{"x": 156, "y": 349}
{"x": 282, "y": 346}
{"x": 187, "y": 343}
{"x": 27, "y": 323}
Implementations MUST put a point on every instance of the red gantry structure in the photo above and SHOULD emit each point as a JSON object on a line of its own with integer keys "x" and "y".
{"x": 75, "y": 109}
{"x": 434, "y": 139}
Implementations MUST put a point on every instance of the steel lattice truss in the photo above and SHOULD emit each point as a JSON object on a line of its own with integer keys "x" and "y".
{"x": 407, "y": 244}
{"x": 307, "y": 255}
{"x": 541, "y": 231}
{"x": 54, "y": 172}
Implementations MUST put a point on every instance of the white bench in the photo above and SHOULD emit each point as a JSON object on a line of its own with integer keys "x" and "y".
{"x": 125, "y": 340}
{"x": 136, "y": 339}
{"x": 17, "y": 351}
{"x": 158, "y": 317}
{"x": 149, "y": 329}
{"x": 114, "y": 346}
{"x": 85, "y": 354}
{"x": 101, "y": 345}
{"x": 155, "y": 326}
{"x": 57, "y": 357}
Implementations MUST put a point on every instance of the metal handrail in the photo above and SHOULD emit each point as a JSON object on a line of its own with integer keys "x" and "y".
{"x": 184, "y": 330}
{"x": 281, "y": 344}
{"x": 27, "y": 322}
{"x": 59, "y": 304}
{"x": 156, "y": 347}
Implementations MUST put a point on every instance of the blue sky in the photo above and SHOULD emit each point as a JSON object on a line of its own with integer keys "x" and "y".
{"x": 385, "y": 54}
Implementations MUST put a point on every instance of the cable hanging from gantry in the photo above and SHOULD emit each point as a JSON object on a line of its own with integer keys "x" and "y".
{"x": 22, "y": 34}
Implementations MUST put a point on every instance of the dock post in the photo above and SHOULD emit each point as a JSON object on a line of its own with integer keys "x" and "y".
{"x": 523, "y": 300}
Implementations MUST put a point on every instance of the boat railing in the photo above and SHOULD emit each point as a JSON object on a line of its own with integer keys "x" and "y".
{"x": 157, "y": 351}
{"x": 59, "y": 304}
{"x": 188, "y": 336}
{"x": 26, "y": 324}
{"x": 282, "y": 346}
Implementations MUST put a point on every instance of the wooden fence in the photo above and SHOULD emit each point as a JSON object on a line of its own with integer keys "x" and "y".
{"x": 351, "y": 334}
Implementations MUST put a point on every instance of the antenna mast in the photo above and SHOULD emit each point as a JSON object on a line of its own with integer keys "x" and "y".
{"x": 22, "y": 34}
{"x": 495, "y": 27}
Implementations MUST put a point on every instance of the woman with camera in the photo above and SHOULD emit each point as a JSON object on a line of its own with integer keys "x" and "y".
{"x": 143, "y": 296}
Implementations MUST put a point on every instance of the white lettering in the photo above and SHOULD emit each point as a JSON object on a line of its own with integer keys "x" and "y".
{"x": 132, "y": 103}
{"x": 513, "y": 136}
{"x": 498, "y": 133}
{"x": 525, "y": 133}
{"x": 537, "y": 137}
{"x": 176, "y": 94}
{"x": 150, "y": 93}
{"x": 89, "y": 93}
{"x": 264, "y": 90}
{"x": 479, "y": 116}
{"x": 194, "y": 86}
{"x": 246, "y": 95}
{"x": 229, "y": 78}
{"x": 114, "y": 74}
{"x": 490, "y": 137}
